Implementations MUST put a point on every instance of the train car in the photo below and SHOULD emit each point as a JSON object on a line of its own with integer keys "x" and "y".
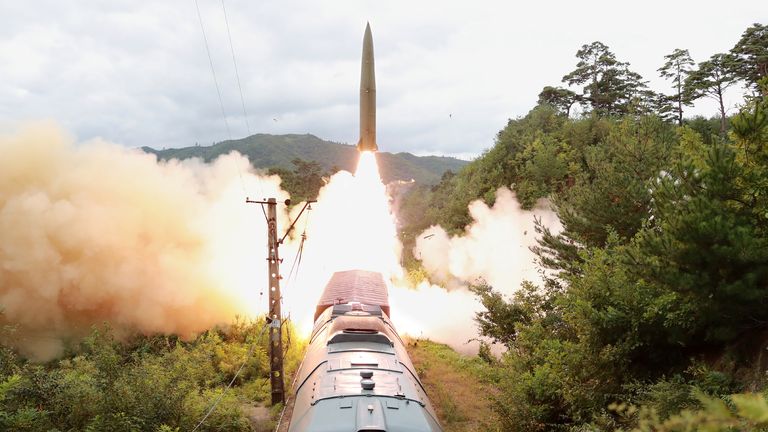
{"x": 356, "y": 375}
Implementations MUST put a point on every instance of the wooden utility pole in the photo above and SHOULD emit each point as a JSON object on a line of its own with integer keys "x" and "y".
{"x": 275, "y": 315}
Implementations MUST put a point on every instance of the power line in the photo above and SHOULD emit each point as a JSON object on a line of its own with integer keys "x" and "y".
{"x": 294, "y": 272}
{"x": 237, "y": 74}
{"x": 213, "y": 71}
{"x": 239, "y": 88}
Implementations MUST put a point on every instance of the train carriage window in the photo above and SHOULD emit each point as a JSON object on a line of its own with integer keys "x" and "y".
{"x": 360, "y": 336}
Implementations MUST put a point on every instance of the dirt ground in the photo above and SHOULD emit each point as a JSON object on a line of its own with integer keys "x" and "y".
{"x": 455, "y": 385}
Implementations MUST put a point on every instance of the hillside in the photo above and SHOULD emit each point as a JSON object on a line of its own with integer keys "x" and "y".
{"x": 277, "y": 151}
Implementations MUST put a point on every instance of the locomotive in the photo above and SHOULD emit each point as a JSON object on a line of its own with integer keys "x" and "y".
{"x": 356, "y": 375}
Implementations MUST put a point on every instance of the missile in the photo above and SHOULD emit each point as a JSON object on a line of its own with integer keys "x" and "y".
{"x": 367, "y": 96}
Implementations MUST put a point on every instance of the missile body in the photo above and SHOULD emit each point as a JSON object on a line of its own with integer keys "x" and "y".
{"x": 367, "y": 96}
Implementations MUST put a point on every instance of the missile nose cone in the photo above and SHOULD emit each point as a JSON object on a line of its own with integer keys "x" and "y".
{"x": 367, "y": 95}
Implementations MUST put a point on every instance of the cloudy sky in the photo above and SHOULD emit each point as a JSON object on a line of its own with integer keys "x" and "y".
{"x": 449, "y": 74}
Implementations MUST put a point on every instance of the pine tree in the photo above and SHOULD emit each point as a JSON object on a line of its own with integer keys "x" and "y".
{"x": 711, "y": 79}
{"x": 677, "y": 68}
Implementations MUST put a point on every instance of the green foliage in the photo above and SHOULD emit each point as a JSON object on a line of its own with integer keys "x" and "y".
{"x": 500, "y": 318}
{"x": 750, "y": 56}
{"x": 304, "y": 181}
{"x": 750, "y": 127}
{"x": 558, "y": 97}
{"x": 659, "y": 274}
{"x": 528, "y": 152}
{"x": 611, "y": 193}
{"x": 677, "y": 68}
{"x": 711, "y": 79}
{"x": 544, "y": 167}
{"x": 609, "y": 86}
{"x": 664, "y": 258}
{"x": 706, "y": 247}
{"x": 738, "y": 412}
{"x": 156, "y": 383}
{"x": 708, "y": 129}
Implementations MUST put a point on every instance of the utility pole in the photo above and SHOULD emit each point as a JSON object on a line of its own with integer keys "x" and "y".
{"x": 275, "y": 316}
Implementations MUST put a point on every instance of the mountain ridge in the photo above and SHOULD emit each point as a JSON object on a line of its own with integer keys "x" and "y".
{"x": 278, "y": 151}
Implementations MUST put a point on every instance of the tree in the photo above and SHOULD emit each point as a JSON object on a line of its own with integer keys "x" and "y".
{"x": 711, "y": 79}
{"x": 744, "y": 411}
{"x": 707, "y": 241}
{"x": 611, "y": 193}
{"x": 304, "y": 182}
{"x": 677, "y": 68}
{"x": 558, "y": 97}
{"x": 750, "y": 56}
{"x": 609, "y": 85}
{"x": 659, "y": 104}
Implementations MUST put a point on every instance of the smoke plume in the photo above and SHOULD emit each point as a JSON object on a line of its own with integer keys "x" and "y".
{"x": 494, "y": 247}
{"x": 94, "y": 232}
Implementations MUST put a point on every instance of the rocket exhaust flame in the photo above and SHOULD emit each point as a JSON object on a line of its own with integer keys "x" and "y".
{"x": 352, "y": 228}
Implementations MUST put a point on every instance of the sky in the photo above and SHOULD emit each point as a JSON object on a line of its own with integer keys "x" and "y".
{"x": 449, "y": 74}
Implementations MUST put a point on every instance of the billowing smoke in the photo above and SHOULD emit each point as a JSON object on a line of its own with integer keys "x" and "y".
{"x": 494, "y": 247}
{"x": 93, "y": 232}
{"x": 432, "y": 312}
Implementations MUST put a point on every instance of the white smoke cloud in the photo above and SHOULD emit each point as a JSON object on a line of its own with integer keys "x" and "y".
{"x": 494, "y": 247}
{"x": 432, "y": 312}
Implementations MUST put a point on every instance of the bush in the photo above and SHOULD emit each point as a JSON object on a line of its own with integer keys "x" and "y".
{"x": 153, "y": 383}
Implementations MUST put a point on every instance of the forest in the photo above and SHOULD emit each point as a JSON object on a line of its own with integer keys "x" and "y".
{"x": 653, "y": 316}
{"x": 654, "y": 311}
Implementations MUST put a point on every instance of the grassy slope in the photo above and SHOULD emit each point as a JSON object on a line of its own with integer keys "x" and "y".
{"x": 460, "y": 387}
{"x": 268, "y": 151}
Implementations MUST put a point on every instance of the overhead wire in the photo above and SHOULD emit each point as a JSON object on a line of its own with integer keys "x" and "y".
{"x": 218, "y": 89}
{"x": 297, "y": 260}
{"x": 239, "y": 85}
{"x": 213, "y": 71}
{"x": 237, "y": 74}
{"x": 293, "y": 274}
{"x": 294, "y": 271}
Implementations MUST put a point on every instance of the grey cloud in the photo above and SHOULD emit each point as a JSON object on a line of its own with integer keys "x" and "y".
{"x": 137, "y": 72}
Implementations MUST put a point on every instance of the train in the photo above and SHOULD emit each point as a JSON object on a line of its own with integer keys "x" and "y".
{"x": 356, "y": 375}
